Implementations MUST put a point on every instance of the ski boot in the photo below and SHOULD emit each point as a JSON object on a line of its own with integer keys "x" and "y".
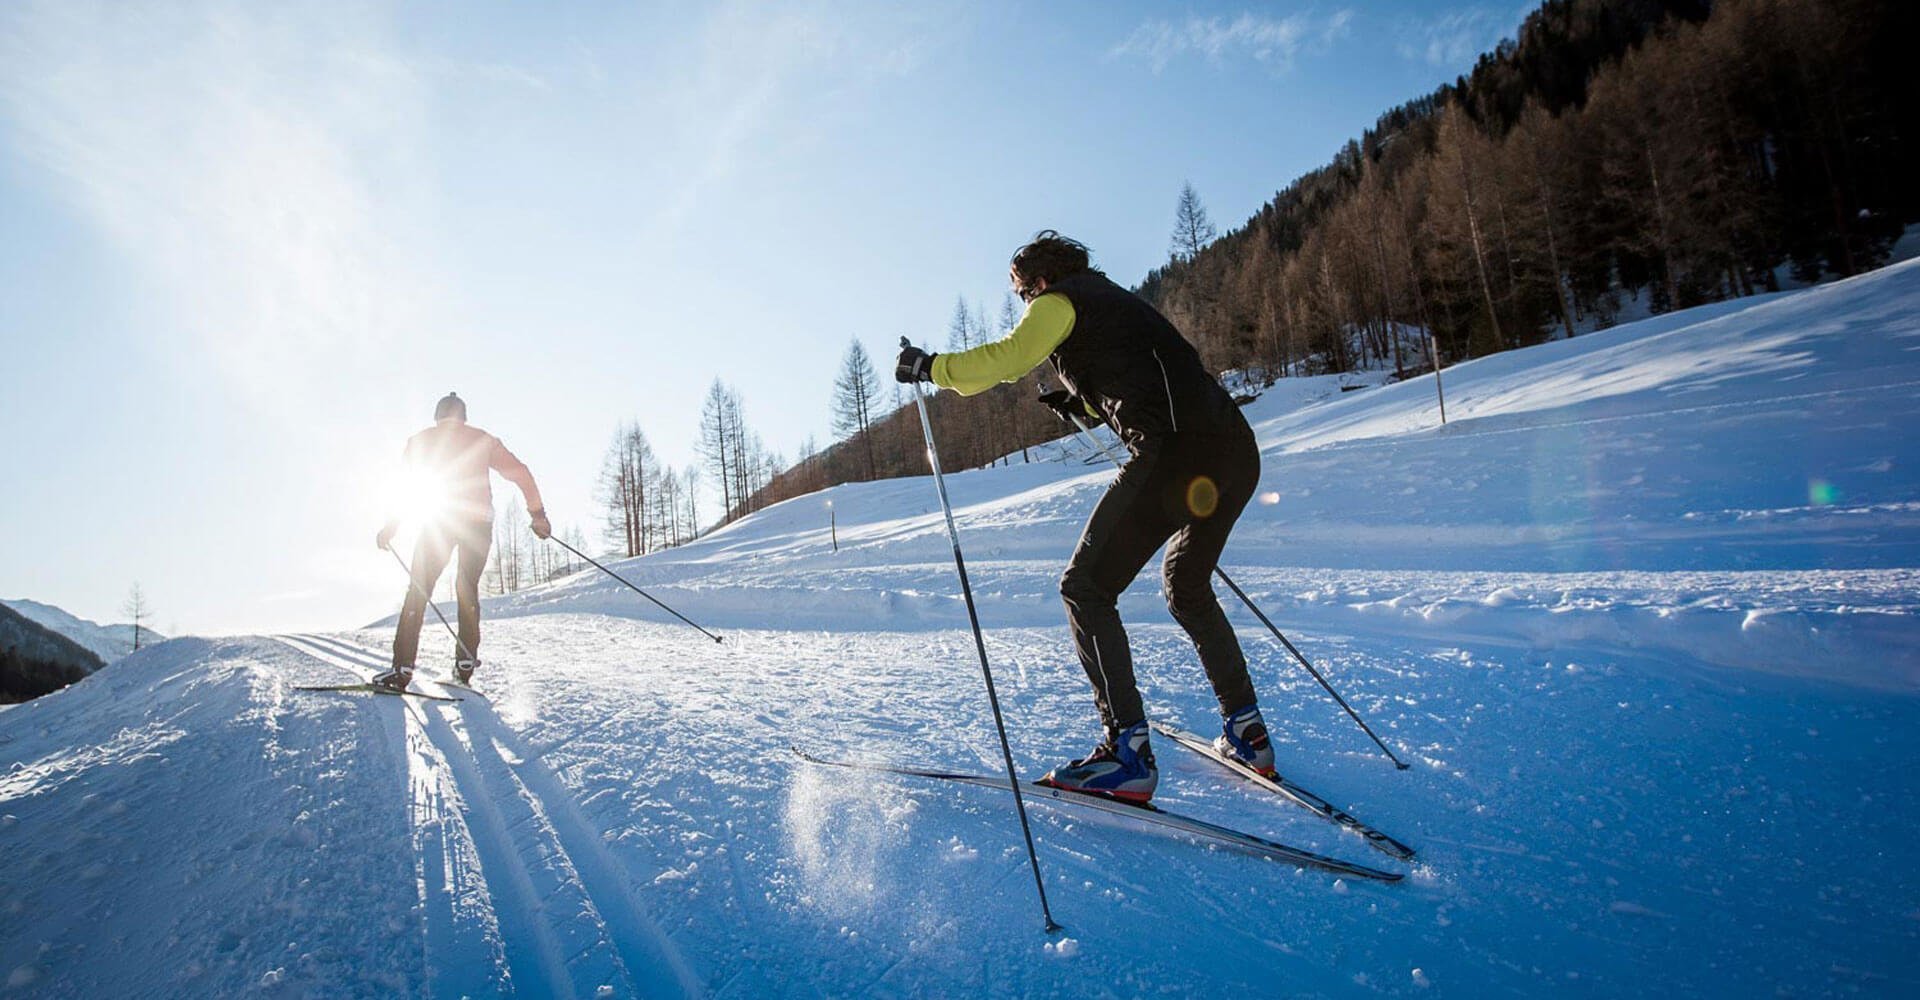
{"x": 1121, "y": 767}
{"x": 1245, "y": 739}
{"x": 463, "y": 671}
{"x": 395, "y": 680}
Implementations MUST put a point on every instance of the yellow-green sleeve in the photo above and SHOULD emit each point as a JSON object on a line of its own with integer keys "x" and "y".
{"x": 1048, "y": 321}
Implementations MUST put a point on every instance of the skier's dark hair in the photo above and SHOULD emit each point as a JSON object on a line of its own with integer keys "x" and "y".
{"x": 451, "y": 405}
{"x": 1048, "y": 257}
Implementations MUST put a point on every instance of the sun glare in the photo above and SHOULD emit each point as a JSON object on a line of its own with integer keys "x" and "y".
{"x": 423, "y": 497}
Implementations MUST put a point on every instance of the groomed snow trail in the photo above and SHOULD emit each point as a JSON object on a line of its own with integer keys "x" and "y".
{"x": 504, "y": 852}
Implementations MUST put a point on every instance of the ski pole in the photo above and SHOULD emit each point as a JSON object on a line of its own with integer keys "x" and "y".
{"x": 980, "y": 644}
{"x": 635, "y": 589}
{"x": 1248, "y": 601}
{"x": 415, "y": 584}
{"x": 1224, "y": 578}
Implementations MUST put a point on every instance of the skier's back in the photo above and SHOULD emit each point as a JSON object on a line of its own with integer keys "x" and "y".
{"x": 456, "y": 458}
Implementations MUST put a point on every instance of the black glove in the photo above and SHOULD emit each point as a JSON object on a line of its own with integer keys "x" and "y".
{"x": 913, "y": 365}
{"x": 1070, "y": 407}
{"x": 542, "y": 528}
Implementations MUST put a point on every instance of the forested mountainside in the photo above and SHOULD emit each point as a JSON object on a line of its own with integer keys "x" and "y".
{"x": 1658, "y": 153}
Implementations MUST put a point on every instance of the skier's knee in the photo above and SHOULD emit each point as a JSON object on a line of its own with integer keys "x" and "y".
{"x": 1079, "y": 589}
{"x": 1187, "y": 596}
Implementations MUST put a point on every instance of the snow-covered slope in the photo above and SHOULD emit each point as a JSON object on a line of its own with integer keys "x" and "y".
{"x": 108, "y": 642}
{"x": 1734, "y": 484}
{"x": 1642, "y": 615}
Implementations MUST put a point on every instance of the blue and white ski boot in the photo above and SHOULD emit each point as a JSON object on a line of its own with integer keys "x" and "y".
{"x": 1244, "y": 738}
{"x": 1121, "y": 767}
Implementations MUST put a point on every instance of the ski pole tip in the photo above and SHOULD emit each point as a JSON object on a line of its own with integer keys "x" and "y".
{"x": 1054, "y": 928}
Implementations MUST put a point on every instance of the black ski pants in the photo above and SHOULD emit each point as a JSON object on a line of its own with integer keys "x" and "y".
{"x": 1186, "y": 491}
{"x": 438, "y": 544}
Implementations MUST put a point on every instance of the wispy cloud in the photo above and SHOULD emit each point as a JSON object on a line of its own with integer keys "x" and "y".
{"x": 1336, "y": 26}
{"x": 241, "y": 158}
{"x": 754, "y": 72}
{"x": 1456, "y": 39}
{"x": 1259, "y": 37}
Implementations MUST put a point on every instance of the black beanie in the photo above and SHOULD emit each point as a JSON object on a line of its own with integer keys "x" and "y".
{"x": 451, "y": 406}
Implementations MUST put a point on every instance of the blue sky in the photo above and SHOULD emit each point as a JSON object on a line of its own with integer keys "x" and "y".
{"x": 248, "y": 245}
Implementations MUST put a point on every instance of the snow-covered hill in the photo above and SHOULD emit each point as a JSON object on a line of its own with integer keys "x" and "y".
{"x": 1642, "y": 615}
{"x": 108, "y": 642}
{"x": 35, "y": 660}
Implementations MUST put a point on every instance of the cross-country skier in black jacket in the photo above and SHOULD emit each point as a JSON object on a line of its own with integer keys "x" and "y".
{"x": 1193, "y": 470}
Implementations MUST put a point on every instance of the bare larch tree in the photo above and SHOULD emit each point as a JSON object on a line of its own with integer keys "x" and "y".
{"x": 855, "y": 396}
{"x": 1192, "y": 230}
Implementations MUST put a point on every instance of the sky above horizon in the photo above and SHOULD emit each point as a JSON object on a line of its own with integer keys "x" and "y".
{"x": 248, "y": 246}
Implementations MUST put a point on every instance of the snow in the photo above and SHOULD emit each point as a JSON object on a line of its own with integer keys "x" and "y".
{"x": 1907, "y": 247}
{"x": 1641, "y": 616}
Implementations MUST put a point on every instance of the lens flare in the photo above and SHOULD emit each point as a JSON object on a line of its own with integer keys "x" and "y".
{"x": 1203, "y": 497}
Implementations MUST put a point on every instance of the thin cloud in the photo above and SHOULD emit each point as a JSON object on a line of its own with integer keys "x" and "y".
{"x": 738, "y": 94}
{"x": 501, "y": 73}
{"x": 1455, "y": 40}
{"x": 1263, "y": 39}
{"x": 1336, "y": 27}
{"x": 243, "y": 159}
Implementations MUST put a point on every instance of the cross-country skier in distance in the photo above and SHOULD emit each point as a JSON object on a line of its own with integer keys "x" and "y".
{"x": 453, "y": 458}
{"x": 1194, "y": 467}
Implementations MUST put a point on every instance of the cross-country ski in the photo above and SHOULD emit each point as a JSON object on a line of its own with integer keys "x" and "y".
{"x": 373, "y": 689}
{"x": 1146, "y": 813}
{"x": 1280, "y": 785}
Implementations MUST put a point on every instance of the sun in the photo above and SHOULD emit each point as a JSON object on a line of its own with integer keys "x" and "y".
{"x": 422, "y": 497}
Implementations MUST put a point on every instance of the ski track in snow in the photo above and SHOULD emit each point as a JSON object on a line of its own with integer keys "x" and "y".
{"x": 230, "y": 835}
{"x": 1642, "y": 617}
{"x": 569, "y": 926}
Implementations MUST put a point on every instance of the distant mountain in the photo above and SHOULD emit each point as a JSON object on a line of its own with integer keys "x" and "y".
{"x": 35, "y": 660}
{"x": 109, "y": 642}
